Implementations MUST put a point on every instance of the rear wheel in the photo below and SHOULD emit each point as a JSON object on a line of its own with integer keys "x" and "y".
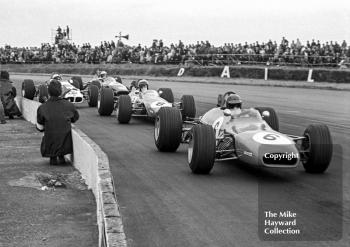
{"x": 28, "y": 89}
{"x": 93, "y": 95}
{"x": 77, "y": 82}
{"x": 105, "y": 102}
{"x": 14, "y": 91}
{"x": 167, "y": 94}
{"x": 188, "y": 107}
{"x": 220, "y": 100}
{"x": 124, "y": 109}
{"x": 168, "y": 129}
{"x": 43, "y": 94}
{"x": 201, "y": 149}
{"x": 272, "y": 119}
{"x": 97, "y": 83}
{"x": 317, "y": 148}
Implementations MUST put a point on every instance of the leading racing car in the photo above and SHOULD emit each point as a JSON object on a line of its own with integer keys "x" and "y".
{"x": 228, "y": 132}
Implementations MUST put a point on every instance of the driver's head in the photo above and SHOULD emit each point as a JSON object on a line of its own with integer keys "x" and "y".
{"x": 118, "y": 79}
{"x": 233, "y": 101}
{"x": 57, "y": 77}
{"x": 143, "y": 85}
{"x": 103, "y": 74}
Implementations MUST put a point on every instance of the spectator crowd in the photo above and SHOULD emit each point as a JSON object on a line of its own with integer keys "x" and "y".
{"x": 313, "y": 53}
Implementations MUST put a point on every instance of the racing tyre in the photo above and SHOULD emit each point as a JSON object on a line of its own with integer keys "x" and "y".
{"x": 317, "y": 147}
{"x": 93, "y": 95}
{"x": 28, "y": 89}
{"x": 124, "y": 109}
{"x": 271, "y": 120}
{"x": 105, "y": 103}
{"x": 97, "y": 83}
{"x": 14, "y": 92}
{"x": 201, "y": 149}
{"x": 43, "y": 94}
{"x": 77, "y": 82}
{"x": 220, "y": 100}
{"x": 168, "y": 129}
{"x": 188, "y": 107}
{"x": 167, "y": 94}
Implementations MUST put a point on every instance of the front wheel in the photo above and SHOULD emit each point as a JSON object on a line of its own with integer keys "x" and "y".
{"x": 106, "y": 101}
{"x": 168, "y": 129}
{"x": 317, "y": 148}
{"x": 92, "y": 95}
{"x": 201, "y": 149}
{"x": 124, "y": 109}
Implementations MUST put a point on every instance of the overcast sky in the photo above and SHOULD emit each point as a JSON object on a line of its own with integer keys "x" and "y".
{"x": 29, "y": 23}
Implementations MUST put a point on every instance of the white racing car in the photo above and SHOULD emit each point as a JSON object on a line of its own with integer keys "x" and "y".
{"x": 144, "y": 102}
{"x": 71, "y": 90}
{"x": 107, "y": 91}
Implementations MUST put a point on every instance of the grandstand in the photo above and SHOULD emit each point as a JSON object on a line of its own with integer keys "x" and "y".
{"x": 284, "y": 53}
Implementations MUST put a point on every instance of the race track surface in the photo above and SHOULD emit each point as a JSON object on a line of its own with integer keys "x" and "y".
{"x": 163, "y": 204}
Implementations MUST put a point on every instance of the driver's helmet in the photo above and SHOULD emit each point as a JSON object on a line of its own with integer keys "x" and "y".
{"x": 57, "y": 77}
{"x": 103, "y": 74}
{"x": 233, "y": 101}
{"x": 118, "y": 79}
{"x": 143, "y": 85}
{"x": 133, "y": 84}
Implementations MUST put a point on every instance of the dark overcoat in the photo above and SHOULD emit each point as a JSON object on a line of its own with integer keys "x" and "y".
{"x": 7, "y": 96}
{"x": 56, "y": 115}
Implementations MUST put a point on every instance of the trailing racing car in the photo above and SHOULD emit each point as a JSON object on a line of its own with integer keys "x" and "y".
{"x": 72, "y": 90}
{"x": 109, "y": 91}
{"x": 228, "y": 132}
{"x": 144, "y": 102}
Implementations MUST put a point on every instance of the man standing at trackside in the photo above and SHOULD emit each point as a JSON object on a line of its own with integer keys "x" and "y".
{"x": 7, "y": 98}
{"x": 54, "y": 117}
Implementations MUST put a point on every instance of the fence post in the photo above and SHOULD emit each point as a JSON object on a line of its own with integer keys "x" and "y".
{"x": 266, "y": 74}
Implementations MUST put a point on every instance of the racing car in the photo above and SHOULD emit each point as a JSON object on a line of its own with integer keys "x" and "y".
{"x": 252, "y": 136}
{"x": 108, "y": 90}
{"x": 144, "y": 102}
{"x": 73, "y": 90}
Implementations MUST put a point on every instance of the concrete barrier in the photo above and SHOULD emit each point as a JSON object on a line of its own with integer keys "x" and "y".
{"x": 93, "y": 165}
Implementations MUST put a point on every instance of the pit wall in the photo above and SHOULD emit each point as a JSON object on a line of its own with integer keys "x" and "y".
{"x": 93, "y": 165}
{"x": 336, "y": 75}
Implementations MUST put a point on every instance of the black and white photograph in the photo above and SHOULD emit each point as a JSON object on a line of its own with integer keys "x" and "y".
{"x": 181, "y": 123}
